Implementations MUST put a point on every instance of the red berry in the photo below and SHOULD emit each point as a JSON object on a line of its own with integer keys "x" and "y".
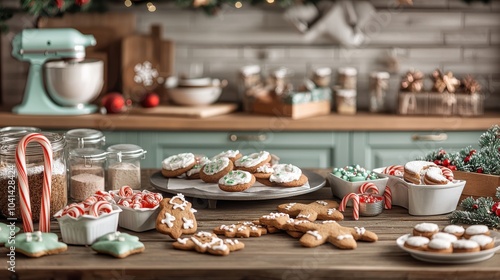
{"x": 467, "y": 159}
{"x": 446, "y": 162}
{"x": 150, "y": 100}
{"x": 452, "y": 167}
{"x": 480, "y": 170}
{"x": 437, "y": 161}
{"x": 441, "y": 152}
{"x": 471, "y": 152}
{"x": 113, "y": 102}
{"x": 475, "y": 206}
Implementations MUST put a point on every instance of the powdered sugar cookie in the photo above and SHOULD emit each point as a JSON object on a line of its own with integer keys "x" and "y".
{"x": 177, "y": 165}
{"x": 458, "y": 231}
{"x": 37, "y": 244}
{"x": 414, "y": 171}
{"x": 214, "y": 170}
{"x": 434, "y": 176}
{"x": 445, "y": 236}
{"x": 287, "y": 175}
{"x": 236, "y": 181}
{"x": 439, "y": 245}
{"x": 476, "y": 230}
{"x": 417, "y": 243}
{"x": 119, "y": 245}
{"x": 194, "y": 173}
{"x": 176, "y": 217}
{"x": 465, "y": 246}
{"x": 207, "y": 242}
{"x": 253, "y": 161}
{"x": 232, "y": 155}
{"x": 425, "y": 229}
{"x": 484, "y": 241}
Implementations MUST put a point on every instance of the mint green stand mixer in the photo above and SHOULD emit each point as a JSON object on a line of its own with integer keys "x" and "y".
{"x": 39, "y": 46}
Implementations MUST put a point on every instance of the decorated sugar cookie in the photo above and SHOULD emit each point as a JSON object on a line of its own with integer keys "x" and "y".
{"x": 177, "y": 165}
{"x": 318, "y": 210}
{"x": 37, "y": 244}
{"x": 206, "y": 242}
{"x": 243, "y": 229}
{"x": 119, "y": 245}
{"x": 176, "y": 217}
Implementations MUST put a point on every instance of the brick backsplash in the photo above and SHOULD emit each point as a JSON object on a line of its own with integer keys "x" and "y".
{"x": 448, "y": 34}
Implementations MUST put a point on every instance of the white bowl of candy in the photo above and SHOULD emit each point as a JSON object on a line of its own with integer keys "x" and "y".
{"x": 139, "y": 208}
{"x": 83, "y": 223}
{"x": 349, "y": 179}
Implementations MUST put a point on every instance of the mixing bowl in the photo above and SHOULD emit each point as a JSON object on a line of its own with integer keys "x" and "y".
{"x": 197, "y": 95}
{"x": 71, "y": 83}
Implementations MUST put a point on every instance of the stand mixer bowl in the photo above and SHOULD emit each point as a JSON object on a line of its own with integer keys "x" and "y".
{"x": 74, "y": 83}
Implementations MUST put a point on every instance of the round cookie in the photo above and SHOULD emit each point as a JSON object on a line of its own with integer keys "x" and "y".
{"x": 439, "y": 245}
{"x": 446, "y": 236}
{"x": 484, "y": 241}
{"x": 233, "y": 155}
{"x": 177, "y": 165}
{"x": 476, "y": 230}
{"x": 414, "y": 170}
{"x": 425, "y": 229}
{"x": 265, "y": 182}
{"x": 465, "y": 246}
{"x": 236, "y": 181}
{"x": 287, "y": 175}
{"x": 417, "y": 243}
{"x": 458, "y": 231}
{"x": 253, "y": 161}
{"x": 214, "y": 170}
{"x": 194, "y": 173}
{"x": 434, "y": 176}
{"x": 265, "y": 171}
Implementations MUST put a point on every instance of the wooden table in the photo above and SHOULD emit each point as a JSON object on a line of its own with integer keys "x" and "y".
{"x": 272, "y": 256}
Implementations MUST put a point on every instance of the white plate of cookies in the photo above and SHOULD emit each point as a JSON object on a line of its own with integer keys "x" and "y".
{"x": 452, "y": 245}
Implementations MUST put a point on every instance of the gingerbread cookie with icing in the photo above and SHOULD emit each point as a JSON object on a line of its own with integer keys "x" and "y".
{"x": 37, "y": 244}
{"x": 341, "y": 237}
{"x": 194, "y": 173}
{"x": 253, "y": 161}
{"x": 206, "y": 242}
{"x": 216, "y": 169}
{"x": 119, "y": 245}
{"x": 232, "y": 155}
{"x": 318, "y": 210}
{"x": 176, "y": 217}
{"x": 287, "y": 175}
{"x": 236, "y": 181}
{"x": 177, "y": 165}
{"x": 242, "y": 229}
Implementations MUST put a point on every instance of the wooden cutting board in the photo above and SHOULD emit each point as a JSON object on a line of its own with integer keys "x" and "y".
{"x": 187, "y": 111}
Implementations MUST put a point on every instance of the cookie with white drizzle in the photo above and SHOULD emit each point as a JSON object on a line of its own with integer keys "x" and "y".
{"x": 287, "y": 175}
{"x": 194, "y": 173}
{"x": 207, "y": 242}
{"x": 241, "y": 229}
{"x": 176, "y": 217}
{"x": 177, "y": 165}
{"x": 252, "y": 161}
{"x": 119, "y": 245}
{"x": 37, "y": 244}
{"x": 318, "y": 210}
{"x": 236, "y": 181}
{"x": 216, "y": 169}
{"x": 232, "y": 155}
{"x": 5, "y": 232}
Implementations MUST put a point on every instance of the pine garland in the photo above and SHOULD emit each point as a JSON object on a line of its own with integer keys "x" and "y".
{"x": 481, "y": 211}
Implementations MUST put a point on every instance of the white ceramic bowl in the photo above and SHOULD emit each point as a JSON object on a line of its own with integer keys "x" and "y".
{"x": 195, "y": 96}
{"x": 74, "y": 83}
{"x": 85, "y": 229}
{"x": 138, "y": 220}
{"x": 341, "y": 187}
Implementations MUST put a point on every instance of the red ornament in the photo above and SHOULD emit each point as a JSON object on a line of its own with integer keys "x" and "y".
{"x": 437, "y": 162}
{"x": 150, "y": 100}
{"x": 59, "y": 3}
{"x": 113, "y": 102}
{"x": 471, "y": 152}
{"x": 452, "y": 167}
{"x": 475, "y": 206}
{"x": 446, "y": 162}
{"x": 467, "y": 159}
{"x": 480, "y": 170}
{"x": 496, "y": 208}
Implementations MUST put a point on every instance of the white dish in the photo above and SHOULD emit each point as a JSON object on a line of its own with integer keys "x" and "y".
{"x": 341, "y": 187}
{"x": 424, "y": 200}
{"x": 195, "y": 96}
{"x": 138, "y": 220}
{"x": 453, "y": 258}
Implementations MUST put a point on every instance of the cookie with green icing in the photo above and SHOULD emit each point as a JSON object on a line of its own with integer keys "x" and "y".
{"x": 216, "y": 169}
{"x": 5, "y": 232}
{"x": 37, "y": 244}
{"x": 118, "y": 244}
{"x": 236, "y": 181}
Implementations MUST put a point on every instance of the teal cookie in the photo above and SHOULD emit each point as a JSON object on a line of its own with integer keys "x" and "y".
{"x": 5, "y": 232}
{"x": 37, "y": 244}
{"x": 119, "y": 245}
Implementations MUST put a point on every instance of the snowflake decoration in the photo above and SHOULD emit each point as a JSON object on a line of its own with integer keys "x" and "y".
{"x": 145, "y": 73}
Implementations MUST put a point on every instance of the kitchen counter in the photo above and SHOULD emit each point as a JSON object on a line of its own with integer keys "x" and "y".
{"x": 272, "y": 256}
{"x": 245, "y": 122}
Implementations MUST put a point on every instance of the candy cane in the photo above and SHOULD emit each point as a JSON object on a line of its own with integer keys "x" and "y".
{"x": 387, "y": 198}
{"x": 368, "y": 186}
{"x": 125, "y": 191}
{"x": 99, "y": 207}
{"x": 355, "y": 204}
{"x": 24, "y": 191}
{"x": 395, "y": 170}
{"x": 447, "y": 173}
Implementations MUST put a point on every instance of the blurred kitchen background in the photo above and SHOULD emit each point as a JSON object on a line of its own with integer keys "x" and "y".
{"x": 453, "y": 35}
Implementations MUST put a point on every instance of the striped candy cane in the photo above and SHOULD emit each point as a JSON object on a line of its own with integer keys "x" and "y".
{"x": 355, "y": 204}
{"x": 387, "y": 198}
{"x": 447, "y": 173}
{"x": 368, "y": 186}
{"x": 24, "y": 192}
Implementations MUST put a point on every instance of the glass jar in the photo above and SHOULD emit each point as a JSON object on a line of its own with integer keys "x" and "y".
{"x": 34, "y": 170}
{"x": 347, "y": 77}
{"x": 86, "y": 172}
{"x": 322, "y": 76}
{"x": 280, "y": 81}
{"x": 379, "y": 83}
{"x": 124, "y": 166}
{"x": 345, "y": 100}
{"x": 249, "y": 79}
{"x": 9, "y": 129}
{"x": 84, "y": 138}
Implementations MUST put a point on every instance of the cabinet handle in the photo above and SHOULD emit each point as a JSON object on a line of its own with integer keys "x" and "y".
{"x": 430, "y": 137}
{"x": 258, "y": 137}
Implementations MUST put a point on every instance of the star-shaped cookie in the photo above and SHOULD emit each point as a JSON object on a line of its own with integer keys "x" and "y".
{"x": 119, "y": 245}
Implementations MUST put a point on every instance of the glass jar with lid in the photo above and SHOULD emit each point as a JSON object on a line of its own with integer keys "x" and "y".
{"x": 9, "y": 129}
{"x": 34, "y": 170}
{"x": 86, "y": 172}
{"x": 379, "y": 84}
{"x": 124, "y": 166}
{"x": 347, "y": 77}
{"x": 84, "y": 138}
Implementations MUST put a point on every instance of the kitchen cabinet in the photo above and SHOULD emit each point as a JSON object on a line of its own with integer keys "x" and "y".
{"x": 377, "y": 149}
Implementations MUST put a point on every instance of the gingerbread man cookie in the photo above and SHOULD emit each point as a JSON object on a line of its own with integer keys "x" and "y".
{"x": 119, "y": 245}
{"x": 206, "y": 242}
{"x": 341, "y": 237}
{"x": 242, "y": 229}
{"x": 318, "y": 210}
{"x": 37, "y": 244}
{"x": 176, "y": 217}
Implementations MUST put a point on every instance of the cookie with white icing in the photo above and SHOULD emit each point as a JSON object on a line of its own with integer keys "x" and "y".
{"x": 176, "y": 165}
{"x": 417, "y": 243}
{"x": 414, "y": 171}
{"x": 37, "y": 244}
{"x": 207, "y": 242}
{"x": 119, "y": 245}
{"x": 216, "y": 169}
{"x": 236, "y": 181}
{"x": 194, "y": 173}
{"x": 425, "y": 229}
{"x": 232, "y": 155}
{"x": 287, "y": 175}
{"x": 456, "y": 230}
{"x": 484, "y": 241}
{"x": 440, "y": 245}
{"x": 476, "y": 230}
{"x": 434, "y": 176}
{"x": 465, "y": 246}
{"x": 242, "y": 229}
{"x": 253, "y": 161}
{"x": 318, "y": 210}
{"x": 176, "y": 217}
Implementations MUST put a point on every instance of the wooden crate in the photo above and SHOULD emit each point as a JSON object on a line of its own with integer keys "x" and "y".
{"x": 294, "y": 111}
{"x": 478, "y": 185}
{"x": 445, "y": 104}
